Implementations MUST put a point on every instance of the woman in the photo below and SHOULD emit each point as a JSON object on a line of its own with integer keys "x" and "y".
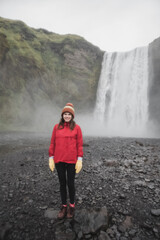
{"x": 65, "y": 153}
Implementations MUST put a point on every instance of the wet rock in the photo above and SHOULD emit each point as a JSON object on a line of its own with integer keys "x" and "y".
{"x": 155, "y": 212}
{"x": 51, "y": 213}
{"x": 139, "y": 143}
{"x": 5, "y": 228}
{"x": 63, "y": 230}
{"x": 43, "y": 207}
{"x": 103, "y": 236}
{"x": 122, "y": 196}
{"x": 136, "y": 238}
{"x": 132, "y": 232}
{"x": 128, "y": 186}
{"x": 113, "y": 232}
{"x": 88, "y": 236}
{"x": 126, "y": 224}
{"x": 110, "y": 163}
{"x": 140, "y": 183}
{"x": 64, "y": 236}
{"x": 90, "y": 222}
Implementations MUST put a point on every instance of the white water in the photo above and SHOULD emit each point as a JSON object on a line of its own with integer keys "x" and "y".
{"x": 122, "y": 94}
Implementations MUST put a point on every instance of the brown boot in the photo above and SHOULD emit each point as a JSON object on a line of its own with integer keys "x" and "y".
{"x": 71, "y": 211}
{"x": 62, "y": 213}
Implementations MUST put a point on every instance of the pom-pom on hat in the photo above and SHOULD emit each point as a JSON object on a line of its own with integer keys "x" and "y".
{"x": 68, "y": 108}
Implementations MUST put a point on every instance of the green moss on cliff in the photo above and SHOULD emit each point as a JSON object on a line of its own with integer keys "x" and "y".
{"x": 36, "y": 64}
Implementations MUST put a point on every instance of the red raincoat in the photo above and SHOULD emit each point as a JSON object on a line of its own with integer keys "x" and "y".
{"x": 66, "y": 144}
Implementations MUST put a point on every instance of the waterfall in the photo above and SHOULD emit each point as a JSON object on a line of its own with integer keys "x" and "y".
{"x": 122, "y": 94}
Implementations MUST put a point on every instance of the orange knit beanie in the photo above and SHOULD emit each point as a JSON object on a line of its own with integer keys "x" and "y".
{"x": 68, "y": 108}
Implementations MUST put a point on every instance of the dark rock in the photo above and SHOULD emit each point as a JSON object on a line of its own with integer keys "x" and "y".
{"x": 43, "y": 207}
{"x": 88, "y": 236}
{"x": 5, "y": 228}
{"x": 132, "y": 232}
{"x": 51, "y": 213}
{"x": 139, "y": 143}
{"x": 90, "y": 222}
{"x": 122, "y": 196}
{"x": 126, "y": 192}
{"x": 110, "y": 163}
{"x": 125, "y": 225}
{"x": 155, "y": 212}
{"x": 140, "y": 183}
{"x": 103, "y": 236}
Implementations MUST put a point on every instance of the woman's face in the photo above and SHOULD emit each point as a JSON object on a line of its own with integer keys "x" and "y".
{"x": 67, "y": 116}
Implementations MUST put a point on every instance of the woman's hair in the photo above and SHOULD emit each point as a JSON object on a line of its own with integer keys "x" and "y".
{"x": 72, "y": 123}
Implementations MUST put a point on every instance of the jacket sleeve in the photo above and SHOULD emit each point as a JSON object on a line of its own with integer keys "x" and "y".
{"x": 79, "y": 143}
{"x": 53, "y": 142}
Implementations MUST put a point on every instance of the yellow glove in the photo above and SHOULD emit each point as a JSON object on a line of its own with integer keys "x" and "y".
{"x": 51, "y": 164}
{"x": 78, "y": 166}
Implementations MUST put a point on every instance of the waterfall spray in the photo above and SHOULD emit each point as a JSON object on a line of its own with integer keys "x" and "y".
{"x": 122, "y": 94}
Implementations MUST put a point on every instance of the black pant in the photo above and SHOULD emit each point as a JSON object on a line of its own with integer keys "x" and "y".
{"x": 62, "y": 169}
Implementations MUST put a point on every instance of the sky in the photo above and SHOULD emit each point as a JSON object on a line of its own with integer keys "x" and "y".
{"x": 112, "y": 25}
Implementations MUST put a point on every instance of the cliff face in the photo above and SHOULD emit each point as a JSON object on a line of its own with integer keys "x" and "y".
{"x": 154, "y": 78}
{"x": 39, "y": 67}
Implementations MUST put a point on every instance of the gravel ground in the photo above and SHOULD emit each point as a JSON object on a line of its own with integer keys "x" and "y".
{"x": 121, "y": 174}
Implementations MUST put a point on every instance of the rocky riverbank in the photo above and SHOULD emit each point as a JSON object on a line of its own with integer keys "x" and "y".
{"x": 117, "y": 197}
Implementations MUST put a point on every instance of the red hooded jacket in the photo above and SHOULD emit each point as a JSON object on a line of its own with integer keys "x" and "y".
{"x": 66, "y": 144}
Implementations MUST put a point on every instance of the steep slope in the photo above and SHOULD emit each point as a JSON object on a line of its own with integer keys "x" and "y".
{"x": 38, "y": 67}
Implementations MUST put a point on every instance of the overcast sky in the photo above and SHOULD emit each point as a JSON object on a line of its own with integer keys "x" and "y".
{"x": 112, "y": 25}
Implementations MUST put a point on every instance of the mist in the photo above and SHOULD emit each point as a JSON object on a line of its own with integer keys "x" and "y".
{"x": 39, "y": 115}
{"x": 45, "y": 116}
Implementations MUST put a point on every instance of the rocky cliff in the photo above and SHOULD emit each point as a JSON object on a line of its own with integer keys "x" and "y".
{"x": 154, "y": 78}
{"x": 38, "y": 68}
